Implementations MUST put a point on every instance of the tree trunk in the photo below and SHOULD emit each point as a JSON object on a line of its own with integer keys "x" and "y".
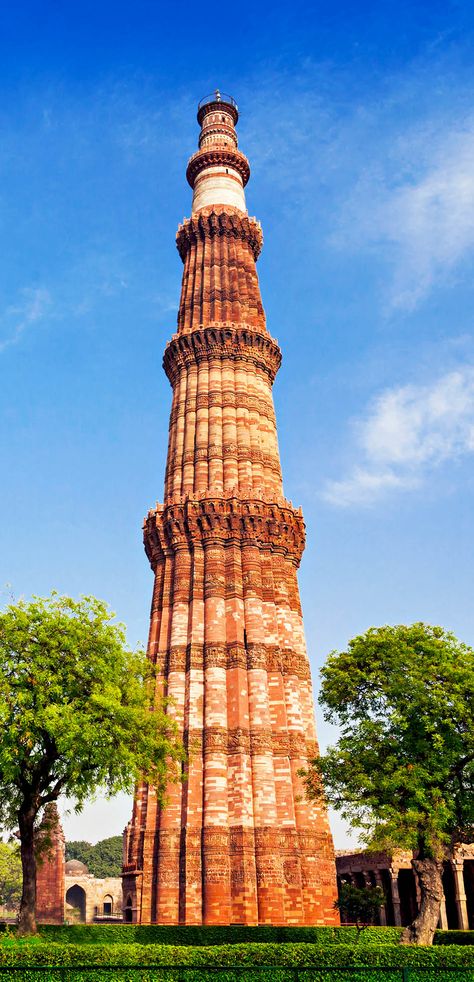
{"x": 421, "y": 932}
{"x": 27, "y": 916}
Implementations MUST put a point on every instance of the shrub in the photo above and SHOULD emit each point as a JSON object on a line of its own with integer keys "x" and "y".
{"x": 337, "y": 956}
{"x": 323, "y": 961}
{"x": 454, "y": 937}
{"x": 207, "y": 935}
{"x": 359, "y": 905}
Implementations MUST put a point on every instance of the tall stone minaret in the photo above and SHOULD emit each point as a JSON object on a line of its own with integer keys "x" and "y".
{"x": 237, "y": 842}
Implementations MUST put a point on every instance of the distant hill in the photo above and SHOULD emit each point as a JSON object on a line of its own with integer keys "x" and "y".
{"x": 102, "y": 859}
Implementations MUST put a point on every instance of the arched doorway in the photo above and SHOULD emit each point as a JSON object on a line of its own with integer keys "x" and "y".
{"x": 128, "y": 911}
{"x": 76, "y": 901}
{"x": 108, "y": 905}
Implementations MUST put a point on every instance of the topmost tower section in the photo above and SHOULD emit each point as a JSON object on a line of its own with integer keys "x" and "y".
{"x": 218, "y": 172}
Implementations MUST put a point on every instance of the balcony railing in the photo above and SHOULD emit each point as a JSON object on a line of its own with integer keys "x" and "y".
{"x": 217, "y": 96}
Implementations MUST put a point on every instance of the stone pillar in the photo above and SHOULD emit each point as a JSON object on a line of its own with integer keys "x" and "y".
{"x": 443, "y": 917}
{"x": 383, "y": 911}
{"x": 460, "y": 894}
{"x": 395, "y": 896}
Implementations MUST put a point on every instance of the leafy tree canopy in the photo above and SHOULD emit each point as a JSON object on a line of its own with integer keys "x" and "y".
{"x": 103, "y": 859}
{"x": 402, "y": 770}
{"x": 10, "y": 876}
{"x": 76, "y": 715}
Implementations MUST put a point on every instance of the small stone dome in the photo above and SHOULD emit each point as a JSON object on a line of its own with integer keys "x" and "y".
{"x": 75, "y": 868}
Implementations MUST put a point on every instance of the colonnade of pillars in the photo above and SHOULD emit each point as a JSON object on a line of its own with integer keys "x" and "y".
{"x": 403, "y": 895}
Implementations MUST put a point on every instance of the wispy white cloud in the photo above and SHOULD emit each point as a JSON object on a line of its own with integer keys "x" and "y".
{"x": 406, "y": 432}
{"x": 423, "y": 214}
{"x": 389, "y": 175}
{"x": 19, "y": 317}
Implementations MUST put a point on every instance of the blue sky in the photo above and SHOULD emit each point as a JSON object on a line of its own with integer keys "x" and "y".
{"x": 358, "y": 122}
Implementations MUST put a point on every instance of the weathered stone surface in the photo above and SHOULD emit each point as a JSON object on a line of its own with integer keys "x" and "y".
{"x": 50, "y": 881}
{"x": 237, "y": 842}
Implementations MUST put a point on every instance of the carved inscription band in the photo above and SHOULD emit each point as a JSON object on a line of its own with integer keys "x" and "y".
{"x": 222, "y": 342}
{"x": 270, "y": 658}
{"x": 253, "y": 741}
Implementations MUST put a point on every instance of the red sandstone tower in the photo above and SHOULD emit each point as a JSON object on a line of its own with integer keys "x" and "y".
{"x": 238, "y": 842}
{"x": 50, "y": 875}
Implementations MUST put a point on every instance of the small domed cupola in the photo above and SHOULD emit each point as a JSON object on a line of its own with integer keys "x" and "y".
{"x": 75, "y": 868}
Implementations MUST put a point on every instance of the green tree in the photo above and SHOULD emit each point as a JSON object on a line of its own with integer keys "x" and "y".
{"x": 359, "y": 905}
{"x": 76, "y": 715}
{"x": 402, "y": 770}
{"x": 103, "y": 859}
{"x": 10, "y": 876}
{"x": 79, "y": 849}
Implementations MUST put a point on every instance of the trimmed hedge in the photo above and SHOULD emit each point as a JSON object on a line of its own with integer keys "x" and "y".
{"x": 25, "y": 952}
{"x": 270, "y": 974}
{"x": 454, "y": 937}
{"x": 207, "y": 935}
{"x": 327, "y": 960}
{"x": 233, "y": 934}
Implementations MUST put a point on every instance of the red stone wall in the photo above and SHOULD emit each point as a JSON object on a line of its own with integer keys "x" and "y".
{"x": 238, "y": 842}
{"x": 50, "y": 881}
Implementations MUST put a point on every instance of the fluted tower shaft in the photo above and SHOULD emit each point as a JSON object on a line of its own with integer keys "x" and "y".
{"x": 237, "y": 841}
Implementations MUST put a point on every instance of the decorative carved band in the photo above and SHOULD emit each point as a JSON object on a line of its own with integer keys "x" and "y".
{"x": 198, "y": 657}
{"x": 234, "y": 398}
{"x": 214, "y": 740}
{"x": 238, "y": 740}
{"x": 208, "y": 224}
{"x": 192, "y": 522}
{"x": 310, "y": 842}
{"x": 255, "y": 741}
{"x": 215, "y": 839}
{"x": 221, "y": 342}
{"x": 291, "y": 845}
{"x": 217, "y": 157}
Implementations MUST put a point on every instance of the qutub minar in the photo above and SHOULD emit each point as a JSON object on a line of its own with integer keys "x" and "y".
{"x": 237, "y": 843}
